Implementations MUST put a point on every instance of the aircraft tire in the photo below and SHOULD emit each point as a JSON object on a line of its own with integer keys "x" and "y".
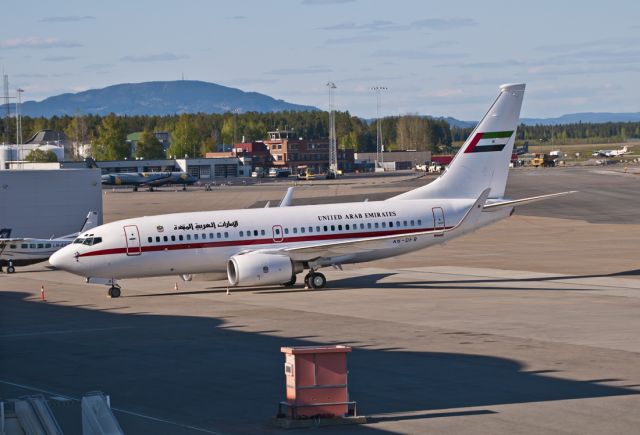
{"x": 114, "y": 292}
{"x": 11, "y": 269}
{"x": 317, "y": 280}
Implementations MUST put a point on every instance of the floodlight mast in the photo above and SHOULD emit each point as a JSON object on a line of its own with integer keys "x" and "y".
{"x": 379, "y": 146}
{"x": 333, "y": 151}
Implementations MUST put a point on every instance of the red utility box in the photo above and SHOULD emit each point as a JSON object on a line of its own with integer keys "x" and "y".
{"x": 316, "y": 378}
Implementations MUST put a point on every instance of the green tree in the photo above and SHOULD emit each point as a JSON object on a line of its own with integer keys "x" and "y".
{"x": 112, "y": 139}
{"x": 184, "y": 139}
{"x": 38, "y": 155}
{"x": 149, "y": 147}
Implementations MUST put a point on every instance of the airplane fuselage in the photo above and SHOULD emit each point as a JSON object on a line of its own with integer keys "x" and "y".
{"x": 203, "y": 242}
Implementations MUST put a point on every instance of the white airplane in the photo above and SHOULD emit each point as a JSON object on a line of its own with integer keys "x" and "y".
{"x": 271, "y": 246}
{"x": 25, "y": 251}
{"x": 611, "y": 153}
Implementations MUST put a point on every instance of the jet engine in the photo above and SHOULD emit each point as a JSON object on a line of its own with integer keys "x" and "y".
{"x": 260, "y": 269}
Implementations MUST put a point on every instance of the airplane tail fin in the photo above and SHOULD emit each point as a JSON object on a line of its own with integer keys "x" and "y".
{"x": 483, "y": 161}
{"x": 5, "y": 233}
{"x": 91, "y": 221}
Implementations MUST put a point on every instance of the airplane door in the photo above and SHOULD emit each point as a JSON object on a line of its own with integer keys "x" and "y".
{"x": 438, "y": 219}
{"x": 132, "y": 238}
{"x": 277, "y": 233}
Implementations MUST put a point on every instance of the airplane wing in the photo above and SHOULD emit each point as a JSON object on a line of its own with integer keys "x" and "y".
{"x": 334, "y": 249}
{"x": 498, "y": 205}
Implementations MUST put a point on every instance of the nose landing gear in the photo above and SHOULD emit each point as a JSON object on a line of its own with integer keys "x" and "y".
{"x": 114, "y": 291}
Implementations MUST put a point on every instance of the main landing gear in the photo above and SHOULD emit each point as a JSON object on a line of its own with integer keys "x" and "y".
{"x": 114, "y": 291}
{"x": 10, "y": 268}
{"x": 315, "y": 280}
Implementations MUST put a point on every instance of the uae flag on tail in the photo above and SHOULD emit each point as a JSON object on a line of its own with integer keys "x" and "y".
{"x": 488, "y": 141}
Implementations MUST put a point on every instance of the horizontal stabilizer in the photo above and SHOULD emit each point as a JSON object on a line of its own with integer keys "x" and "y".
{"x": 498, "y": 205}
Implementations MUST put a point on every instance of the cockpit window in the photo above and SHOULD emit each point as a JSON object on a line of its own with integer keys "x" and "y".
{"x": 89, "y": 241}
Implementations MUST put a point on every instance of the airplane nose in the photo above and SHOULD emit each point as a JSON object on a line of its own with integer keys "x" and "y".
{"x": 57, "y": 260}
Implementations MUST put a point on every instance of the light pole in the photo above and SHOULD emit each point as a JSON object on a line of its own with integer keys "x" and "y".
{"x": 379, "y": 146}
{"x": 333, "y": 151}
{"x": 19, "y": 117}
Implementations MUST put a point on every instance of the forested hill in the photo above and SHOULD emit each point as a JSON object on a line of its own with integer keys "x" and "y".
{"x": 158, "y": 98}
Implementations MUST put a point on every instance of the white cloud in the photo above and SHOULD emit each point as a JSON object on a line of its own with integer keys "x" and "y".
{"x": 444, "y": 93}
{"x": 159, "y": 57}
{"x": 37, "y": 42}
{"x": 67, "y": 19}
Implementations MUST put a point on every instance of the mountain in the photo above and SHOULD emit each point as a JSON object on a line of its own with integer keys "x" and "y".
{"x": 571, "y": 118}
{"x": 158, "y": 98}
{"x": 586, "y": 117}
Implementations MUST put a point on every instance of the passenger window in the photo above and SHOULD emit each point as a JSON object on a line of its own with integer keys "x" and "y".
{"x": 48, "y": 245}
{"x": 362, "y": 226}
{"x": 318, "y": 229}
{"x": 339, "y": 227}
{"x": 150, "y": 239}
{"x": 219, "y": 235}
{"x": 295, "y": 231}
{"x": 262, "y": 232}
{"x": 157, "y": 239}
{"x": 405, "y": 223}
{"x": 286, "y": 230}
{"x": 333, "y": 227}
{"x": 188, "y": 236}
{"x": 419, "y": 221}
{"x": 226, "y": 235}
{"x": 180, "y": 237}
{"x": 310, "y": 229}
{"x": 390, "y": 224}
{"x": 204, "y": 236}
{"x": 166, "y": 239}
{"x": 384, "y": 225}
{"x": 302, "y": 229}
{"x": 346, "y": 227}
{"x": 278, "y": 231}
{"x": 412, "y": 222}
{"x": 24, "y": 245}
{"x": 376, "y": 225}
{"x": 195, "y": 236}
{"x": 12, "y": 246}
{"x": 369, "y": 225}
{"x": 173, "y": 238}
{"x": 241, "y": 233}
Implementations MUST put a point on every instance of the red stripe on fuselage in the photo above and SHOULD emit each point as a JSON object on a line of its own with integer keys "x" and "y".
{"x": 249, "y": 242}
{"x": 473, "y": 143}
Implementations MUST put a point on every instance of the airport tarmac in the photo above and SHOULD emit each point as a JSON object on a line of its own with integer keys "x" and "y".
{"x": 528, "y": 326}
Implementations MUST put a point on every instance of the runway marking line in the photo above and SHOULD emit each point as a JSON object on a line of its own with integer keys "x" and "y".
{"x": 124, "y": 411}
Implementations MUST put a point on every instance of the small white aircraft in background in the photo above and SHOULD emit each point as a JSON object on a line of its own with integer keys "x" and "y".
{"x": 611, "y": 153}
{"x": 25, "y": 251}
{"x": 268, "y": 246}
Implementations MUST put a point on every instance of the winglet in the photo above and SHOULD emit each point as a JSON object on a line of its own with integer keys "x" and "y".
{"x": 288, "y": 198}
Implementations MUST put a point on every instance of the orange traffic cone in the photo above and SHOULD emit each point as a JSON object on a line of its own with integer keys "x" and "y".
{"x": 42, "y": 293}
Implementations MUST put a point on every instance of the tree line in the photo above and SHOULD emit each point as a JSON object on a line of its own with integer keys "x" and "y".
{"x": 196, "y": 134}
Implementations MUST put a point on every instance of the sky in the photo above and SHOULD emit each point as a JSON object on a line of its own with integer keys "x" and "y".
{"x": 435, "y": 58}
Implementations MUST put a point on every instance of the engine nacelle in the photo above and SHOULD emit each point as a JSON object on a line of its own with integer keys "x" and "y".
{"x": 259, "y": 269}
